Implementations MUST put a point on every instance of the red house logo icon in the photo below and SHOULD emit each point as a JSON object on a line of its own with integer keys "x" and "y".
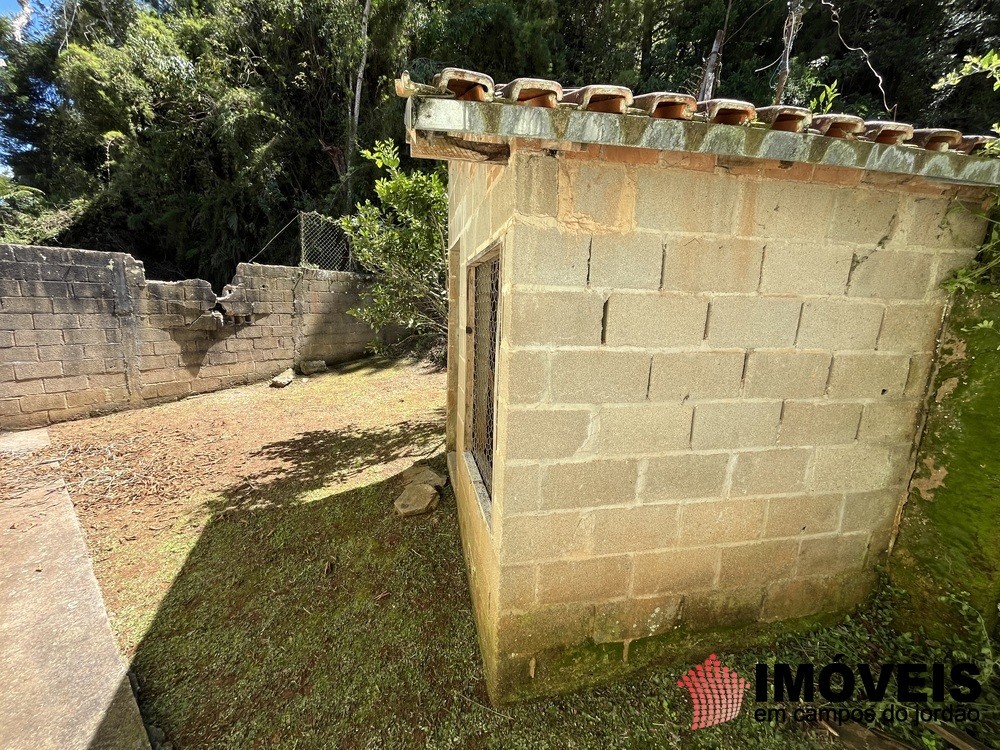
{"x": 716, "y": 692}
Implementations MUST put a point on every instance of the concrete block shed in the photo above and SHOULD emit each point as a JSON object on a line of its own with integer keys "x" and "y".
{"x": 689, "y": 350}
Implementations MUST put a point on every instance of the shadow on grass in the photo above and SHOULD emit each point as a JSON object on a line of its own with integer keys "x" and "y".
{"x": 309, "y": 624}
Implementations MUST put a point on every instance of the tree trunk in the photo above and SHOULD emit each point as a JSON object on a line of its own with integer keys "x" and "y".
{"x": 711, "y": 68}
{"x": 792, "y": 25}
{"x": 355, "y": 113}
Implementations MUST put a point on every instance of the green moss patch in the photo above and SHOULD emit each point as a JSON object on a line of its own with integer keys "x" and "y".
{"x": 950, "y": 536}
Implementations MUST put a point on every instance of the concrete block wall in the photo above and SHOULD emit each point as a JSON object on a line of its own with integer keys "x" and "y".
{"x": 710, "y": 382}
{"x": 481, "y": 211}
{"x": 83, "y": 332}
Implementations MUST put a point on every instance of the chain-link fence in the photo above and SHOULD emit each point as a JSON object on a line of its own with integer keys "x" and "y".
{"x": 323, "y": 243}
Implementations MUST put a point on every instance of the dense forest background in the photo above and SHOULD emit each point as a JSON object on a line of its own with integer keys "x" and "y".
{"x": 189, "y": 132}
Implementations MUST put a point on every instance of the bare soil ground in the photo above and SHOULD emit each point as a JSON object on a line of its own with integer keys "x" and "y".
{"x": 146, "y": 482}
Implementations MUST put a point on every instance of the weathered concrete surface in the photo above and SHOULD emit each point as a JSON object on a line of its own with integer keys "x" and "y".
{"x": 63, "y": 683}
{"x": 451, "y": 129}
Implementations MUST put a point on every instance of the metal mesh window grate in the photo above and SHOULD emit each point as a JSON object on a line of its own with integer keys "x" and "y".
{"x": 323, "y": 243}
{"x": 485, "y": 302}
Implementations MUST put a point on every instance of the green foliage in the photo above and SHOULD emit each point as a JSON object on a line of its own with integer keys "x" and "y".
{"x": 190, "y": 132}
{"x": 403, "y": 242}
{"x": 823, "y": 102}
{"x": 973, "y": 65}
{"x": 988, "y": 65}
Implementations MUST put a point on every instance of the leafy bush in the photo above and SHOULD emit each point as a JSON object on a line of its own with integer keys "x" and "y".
{"x": 402, "y": 241}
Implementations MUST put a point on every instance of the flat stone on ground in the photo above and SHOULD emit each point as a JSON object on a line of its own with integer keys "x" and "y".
{"x": 422, "y": 474}
{"x": 312, "y": 366}
{"x": 417, "y": 499}
{"x": 283, "y": 378}
{"x": 27, "y": 440}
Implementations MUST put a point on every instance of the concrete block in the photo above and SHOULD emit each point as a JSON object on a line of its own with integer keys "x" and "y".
{"x": 943, "y": 223}
{"x": 598, "y": 377}
{"x": 721, "y": 522}
{"x": 889, "y": 422}
{"x": 655, "y": 320}
{"x": 15, "y": 354}
{"x": 536, "y": 185}
{"x": 786, "y": 374}
{"x": 643, "y": 428}
{"x": 790, "y": 210}
{"x": 546, "y": 433}
{"x": 839, "y": 324}
{"x": 833, "y": 554}
{"x": 891, "y": 275}
{"x": 42, "y": 402}
{"x": 802, "y": 515}
{"x": 868, "y": 375}
{"x": 16, "y": 321}
{"x": 86, "y": 336}
{"x": 590, "y": 580}
{"x": 14, "y": 389}
{"x": 850, "y": 468}
{"x": 546, "y": 626}
{"x": 734, "y": 607}
{"x": 25, "y": 305}
{"x": 619, "y": 620}
{"x": 629, "y": 530}
{"x": 677, "y": 571}
{"x": 32, "y": 337}
{"x": 64, "y": 385}
{"x": 920, "y": 370}
{"x": 712, "y": 264}
{"x": 555, "y": 318}
{"x": 871, "y": 511}
{"x": 588, "y": 484}
{"x": 596, "y": 194}
{"x": 547, "y": 256}
{"x": 911, "y": 328}
{"x": 520, "y": 487}
{"x": 34, "y": 370}
{"x": 516, "y": 589}
{"x": 865, "y": 216}
{"x": 818, "y": 423}
{"x": 753, "y": 322}
{"x": 757, "y": 563}
{"x": 678, "y": 376}
{"x": 634, "y": 261}
{"x": 678, "y": 200}
{"x": 546, "y": 537}
{"x": 771, "y": 472}
{"x": 735, "y": 424}
{"x": 686, "y": 475}
{"x": 527, "y": 380}
{"x": 805, "y": 268}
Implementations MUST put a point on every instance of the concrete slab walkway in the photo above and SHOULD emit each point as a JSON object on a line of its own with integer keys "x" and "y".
{"x": 62, "y": 681}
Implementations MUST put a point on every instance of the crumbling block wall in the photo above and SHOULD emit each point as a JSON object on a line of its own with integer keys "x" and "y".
{"x": 84, "y": 332}
{"x": 710, "y": 383}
